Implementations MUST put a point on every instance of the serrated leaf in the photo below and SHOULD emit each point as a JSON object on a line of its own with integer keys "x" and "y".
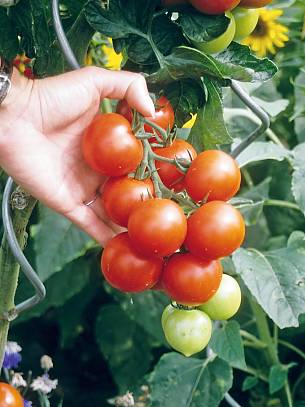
{"x": 249, "y": 383}
{"x": 124, "y": 345}
{"x": 53, "y": 250}
{"x": 298, "y": 177}
{"x": 276, "y": 279}
{"x": 261, "y": 150}
{"x": 226, "y": 342}
{"x": 179, "y": 381}
{"x": 9, "y": 45}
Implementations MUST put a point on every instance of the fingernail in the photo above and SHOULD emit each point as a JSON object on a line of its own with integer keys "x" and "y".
{"x": 152, "y": 108}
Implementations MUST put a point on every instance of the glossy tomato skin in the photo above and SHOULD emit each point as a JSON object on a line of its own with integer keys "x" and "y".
{"x": 164, "y": 117}
{"x": 214, "y": 6}
{"x": 246, "y": 20}
{"x": 157, "y": 227}
{"x": 213, "y": 175}
{"x": 170, "y": 175}
{"x": 187, "y": 332}
{"x": 254, "y": 3}
{"x": 127, "y": 270}
{"x": 9, "y": 396}
{"x": 220, "y": 43}
{"x": 189, "y": 280}
{"x": 109, "y": 146}
{"x": 215, "y": 230}
{"x": 120, "y": 195}
{"x": 226, "y": 302}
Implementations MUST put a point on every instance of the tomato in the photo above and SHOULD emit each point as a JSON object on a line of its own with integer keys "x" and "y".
{"x": 120, "y": 196}
{"x": 167, "y": 311}
{"x": 164, "y": 117}
{"x": 215, "y": 230}
{"x": 213, "y": 175}
{"x": 214, "y": 6}
{"x": 188, "y": 331}
{"x": 157, "y": 227}
{"x": 226, "y": 302}
{"x": 170, "y": 175}
{"x": 246, "y": 20}
{"x": 110, "y": 147}
{"x": 127, "y": 270}
{"x": 9, "y": 396}
{"x": 190, "y": 280}
{"x": 220, "y": 43}
{"x": 254, "y": 3}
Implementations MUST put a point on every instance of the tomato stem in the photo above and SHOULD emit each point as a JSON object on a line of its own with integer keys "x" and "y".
{"x": 159, "y": 129}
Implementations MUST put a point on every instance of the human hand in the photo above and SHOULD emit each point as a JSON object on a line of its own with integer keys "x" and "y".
{"x": 41, "y": 124}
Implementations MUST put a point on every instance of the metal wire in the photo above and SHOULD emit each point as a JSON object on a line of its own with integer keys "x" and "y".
{"x": 17, "y": 252}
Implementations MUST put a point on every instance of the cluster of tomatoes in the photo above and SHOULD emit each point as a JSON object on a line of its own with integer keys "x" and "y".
{"x": 10, "y": 396}
{"x": 172, "y": 243}
{"x": 243, "y": 15}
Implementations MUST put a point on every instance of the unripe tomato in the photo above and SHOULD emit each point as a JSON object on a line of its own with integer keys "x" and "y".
{"x": 190, "y": 280}
{"x": 164, "y": 117}
{"x": 9, "y": 396}
{"x": 246, "y": 21}
{"x": 167, "y": 311}
{"x": 220, "y": 43}
{"x": 157, "y": 227}
{"x": 214, "y": 6}
{"x": 120, "y": 196}
{"x": 187, "y": 332}
{"x": 127, "y": 270}
{"x": 170, "y": 175}
{"x": 215, "y": 230}
{"x": 254, "y": 3}
{"x": 213, "y": 175}
{"x": 226, "y": 302}
{"x": 110, "y": 147}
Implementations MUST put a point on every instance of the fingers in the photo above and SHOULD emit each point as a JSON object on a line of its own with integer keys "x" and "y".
{"x": 98, "y": 208}
{"x": 124, "y": 85}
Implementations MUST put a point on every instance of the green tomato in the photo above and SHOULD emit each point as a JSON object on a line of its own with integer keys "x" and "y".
{"x": 220, "y": 43}
{"x": 246, "y": 20}
{"x": 187, "y": 332}
{"x": 167, "y": 311}
{"x": 226, "y": 302}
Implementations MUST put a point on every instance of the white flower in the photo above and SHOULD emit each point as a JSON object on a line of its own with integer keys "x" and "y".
{"x": 18, "y": 380}
{"x": 12, "y": 347}
{"x": 46, "y": 362}
{"x": 44, "y": 384}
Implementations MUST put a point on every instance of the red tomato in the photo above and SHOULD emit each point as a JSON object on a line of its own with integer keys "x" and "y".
{"x": 120, "y": 195}
{"x": 213, "y": 175}
{"x": 170, "y": 175}
{"x": 164, "y": 117}
{"x": 215, "y": 230}
{"x": 190, "y": 280}
{"x": 127, "y": 270}
{"x": 9, "y": 396}
{"x": 157, "y": 227}
{"x": 254, "y": 3}
{"x": 214, "y": 6}
{"x": 110, "y": 147}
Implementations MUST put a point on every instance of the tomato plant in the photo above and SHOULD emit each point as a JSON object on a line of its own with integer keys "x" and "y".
{"x": 170, "y": 175}
{"x": 215, "y": 6}
{"x": 169, "y": 3}
{"x": 226, "y": 302}
{"x": 127, "y": 270}
{"x": 120, "y": 195}
{"x": 157, "y": 227}
{"x": 213, "y": 175}
{"x": 190, "y": 280}
{"x": 246, "y": 21}
{"x": 215, "y": 230}
{"x": 188, "y": 331}
{"x": 10, "y": 396}
{"x": 110, "y": 147}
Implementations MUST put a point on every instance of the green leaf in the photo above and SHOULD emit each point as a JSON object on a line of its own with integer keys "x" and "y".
{"x": 179, "y": 381}
{"x": 249, "y": 383}
{"x": 277, "y": 377}
{"x": 261, "y": 150}
{"x": 57, "y": 242}
{"x": 299, "y": 106}
{"x": 298, "y": 177}
{"x": 226, "y": 342}
{"x": 124, "y": 345}
{"x": 209, "y": 129}
{"x": 201, "y": 27}
{"x": 9, "y": 45}
{"x": 276, "y": 279}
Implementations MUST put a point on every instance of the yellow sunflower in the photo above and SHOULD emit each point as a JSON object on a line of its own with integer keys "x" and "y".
{"x": 268, "y": 34}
